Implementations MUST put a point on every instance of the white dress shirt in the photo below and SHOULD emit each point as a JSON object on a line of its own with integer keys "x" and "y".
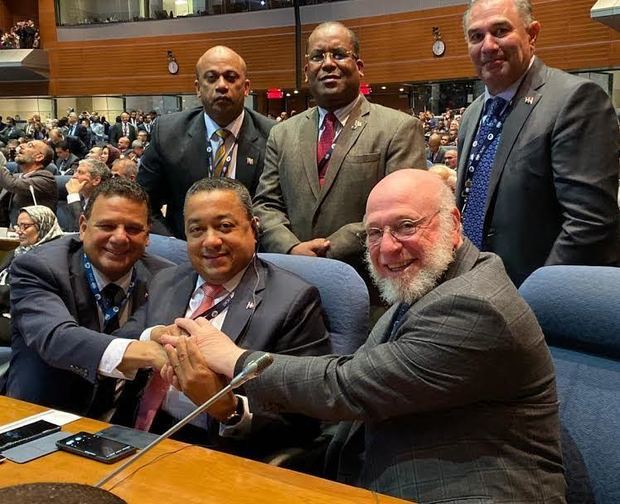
{"x": 231, "y": 142}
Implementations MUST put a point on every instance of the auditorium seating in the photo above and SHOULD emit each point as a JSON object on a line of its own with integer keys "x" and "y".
{"x": 577, "y": 307}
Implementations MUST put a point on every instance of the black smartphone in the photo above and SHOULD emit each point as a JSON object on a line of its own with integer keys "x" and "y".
{"x": 25, "y": 433}
{"x": 95, "y": 447}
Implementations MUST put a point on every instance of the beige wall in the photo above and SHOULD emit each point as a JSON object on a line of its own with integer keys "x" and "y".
{"x": 26, "y": 107}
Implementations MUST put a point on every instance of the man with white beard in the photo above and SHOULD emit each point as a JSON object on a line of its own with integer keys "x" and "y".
{"x": 453, "y": 396}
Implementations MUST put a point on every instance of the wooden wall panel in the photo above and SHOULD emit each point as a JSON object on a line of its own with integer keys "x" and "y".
{"x": 395, "y": 48}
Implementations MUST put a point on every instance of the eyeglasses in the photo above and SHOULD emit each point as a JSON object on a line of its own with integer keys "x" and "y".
{"x": 336, "y": 54}
{"x": 400, "y": 231}
{"x": 23, "y": 227}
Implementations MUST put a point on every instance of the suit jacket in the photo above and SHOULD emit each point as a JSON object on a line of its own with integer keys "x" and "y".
{"x": 68, "y": 166}
{"x": 82, "y": 133}
{"x": 454, "y": 401}
{"x": 43, "y": 183}
{"x": 294, "y": 208}
{"x": 553, "y": 188}
{"x": 56, "y": 343}
{"x": 177, "y": 157}
{"x": 286, "y": 319}
{"x": 116, "y": 132}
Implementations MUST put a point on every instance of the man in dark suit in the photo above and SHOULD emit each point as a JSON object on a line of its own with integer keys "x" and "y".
{"x": 122, "y": 129}
{"x": 256, "y": 304}
{"x": 311, "y": 196}
{"x": 76, "y": 146}
{"x": 75, "y": 129}
{"x": 538, "y": 152}
{"x": 435, "y": 153}
{"x": 452, "y": 398}
{"x": 221, "y": 139}
{"x": 66, "y": 161}
{"x": 32, "y": 158}
{"x": 67, "y": 298}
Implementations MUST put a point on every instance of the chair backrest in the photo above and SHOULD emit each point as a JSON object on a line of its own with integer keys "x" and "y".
{"x": 577, "y": 308}
{"x": 168, "y": 247}
{"x": 343, "y": 294}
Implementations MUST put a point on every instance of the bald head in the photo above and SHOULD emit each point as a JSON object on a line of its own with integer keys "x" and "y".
{"x": 221, "y": 84}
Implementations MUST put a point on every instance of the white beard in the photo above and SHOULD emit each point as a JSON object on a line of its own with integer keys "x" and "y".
{"x": 409, "y": 287}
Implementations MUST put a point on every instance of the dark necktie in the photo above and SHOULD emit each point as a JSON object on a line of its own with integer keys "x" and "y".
{"x": 325, "y": 142}
{"x": 480, "y": 166}
{"x": 114, "y": 295}
{"x": 220, "y": 154}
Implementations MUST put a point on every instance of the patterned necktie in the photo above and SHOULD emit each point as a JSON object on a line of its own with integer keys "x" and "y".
{"x": 220, "y": 154}
{"x": 125, "y": 129}
{"x": 114, "y": 295}
{"x": 325, "y": 143}
{"x": 156, "y": 390}
{"x": 480, "y": 165}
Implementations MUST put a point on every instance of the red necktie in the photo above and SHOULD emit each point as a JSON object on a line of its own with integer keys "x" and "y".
{"x": 157, "y": 388}
{"x": 325, "y": 143}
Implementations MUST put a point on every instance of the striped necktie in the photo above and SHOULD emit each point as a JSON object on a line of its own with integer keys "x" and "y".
{"x": 220, "y": 154}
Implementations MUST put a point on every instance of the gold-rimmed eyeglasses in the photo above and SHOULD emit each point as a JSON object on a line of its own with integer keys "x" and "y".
{"x": 338, "y": 54}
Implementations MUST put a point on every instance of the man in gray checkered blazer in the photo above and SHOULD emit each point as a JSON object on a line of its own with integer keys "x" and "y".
{"x": 452, "y": 398}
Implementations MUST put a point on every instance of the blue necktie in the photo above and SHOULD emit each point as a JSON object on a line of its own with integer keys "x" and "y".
{"x": 479, "y": 167}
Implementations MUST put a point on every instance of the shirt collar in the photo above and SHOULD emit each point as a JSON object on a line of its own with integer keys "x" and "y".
{"x": 342, "y": 114}
{"x": 234, "y": 127}
{"x": 509, "y": 94}
{"x": 123, "y": 282}
{"x": 230, "y": 286}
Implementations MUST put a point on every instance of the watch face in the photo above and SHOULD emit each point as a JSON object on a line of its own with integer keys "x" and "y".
{"x": 173, "y": 67}
{"x": 439, "y": 48}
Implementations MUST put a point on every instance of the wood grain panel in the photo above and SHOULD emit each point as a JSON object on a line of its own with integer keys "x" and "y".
{"x": 395, "y": 48}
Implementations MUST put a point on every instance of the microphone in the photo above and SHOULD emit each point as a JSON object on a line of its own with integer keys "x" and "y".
{"x": 249, "y": 372}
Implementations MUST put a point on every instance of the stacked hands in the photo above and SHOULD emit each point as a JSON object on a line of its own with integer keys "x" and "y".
{"x": 199, "y": 360}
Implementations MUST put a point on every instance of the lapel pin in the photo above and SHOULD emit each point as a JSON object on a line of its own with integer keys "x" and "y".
{"x": 529, "y": 100}
{"x": 356, "y": 124}
{"x": 249, "y": 161}
{"x": 250, "y": 305}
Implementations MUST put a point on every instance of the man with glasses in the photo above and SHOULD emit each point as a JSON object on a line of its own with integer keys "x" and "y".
{"x": 223, "y": 138}
{"x": 33, "y": 185}
{"x": 321, "y": 164}
{"x": 69, "y": 295}
{"x": 452, "y": 398}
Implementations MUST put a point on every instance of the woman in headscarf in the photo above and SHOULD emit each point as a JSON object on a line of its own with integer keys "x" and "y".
{"x": 36, "y": 225}
{"x": 109, "y": 154}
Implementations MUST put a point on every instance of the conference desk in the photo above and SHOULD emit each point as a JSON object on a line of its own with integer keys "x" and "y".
{"x": 178, "y": 472}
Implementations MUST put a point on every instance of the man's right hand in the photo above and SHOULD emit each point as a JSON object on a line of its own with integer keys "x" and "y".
{"x": 74, "y": 186}
{"x": 317, "y": 247}
{"x": 171, "y": 330}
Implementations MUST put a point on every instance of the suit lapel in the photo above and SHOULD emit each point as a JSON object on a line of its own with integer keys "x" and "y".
{"x": 247, "y": 152}
{"x": 86, "y": 307}
{"x": 180, "y": 295}
{"x": 516, "y": 120}
{"x": 308, "y": 136}
{"x": 249, "y": 292}
{"x": 348, "y": 136}
{"x": 197, "y": 133}
{"x": 465, "y": 147}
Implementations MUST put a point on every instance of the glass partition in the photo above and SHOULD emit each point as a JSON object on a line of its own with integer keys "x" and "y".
{"x": 80, "y": 12}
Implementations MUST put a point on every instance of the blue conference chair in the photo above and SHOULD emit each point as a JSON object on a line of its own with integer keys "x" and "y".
{"x": 577, "y": 308}
{"x": 168, "y": 247}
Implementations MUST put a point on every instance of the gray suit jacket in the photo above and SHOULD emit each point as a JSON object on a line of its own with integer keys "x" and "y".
{"x": 286, "y": 319}
{"x": 455, "y": 403}
{"x": 293, "y": 207}
{"x": 56, "y": 341}
{"x": 552, "y": 194}
{"x": 177, "y": 157}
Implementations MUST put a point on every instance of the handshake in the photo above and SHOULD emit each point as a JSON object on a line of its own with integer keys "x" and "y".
{"x": 192, "y": 356}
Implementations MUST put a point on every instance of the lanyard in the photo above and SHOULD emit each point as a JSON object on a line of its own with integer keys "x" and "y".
{"x": 109, "y": 311}
{"x": 214, "y": 311}
{"x": 228, "y": 159}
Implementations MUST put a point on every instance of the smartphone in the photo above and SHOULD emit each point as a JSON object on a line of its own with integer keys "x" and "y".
{"x": 25, "y": 433}
{"x": 95, "y": 447}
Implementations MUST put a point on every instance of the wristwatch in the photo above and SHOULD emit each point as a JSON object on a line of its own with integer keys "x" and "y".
{"x": 236, "y": 416}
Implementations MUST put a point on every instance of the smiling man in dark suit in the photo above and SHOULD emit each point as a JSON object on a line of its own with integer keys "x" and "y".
{"x": 220, "y": 139}
{"x": 538, "y": 151}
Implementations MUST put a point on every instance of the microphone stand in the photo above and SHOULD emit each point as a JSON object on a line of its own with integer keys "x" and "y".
{"x": 250, "y": 371}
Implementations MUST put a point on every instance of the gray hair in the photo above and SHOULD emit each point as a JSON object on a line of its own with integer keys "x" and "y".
{"x": 97, "y": 168}
{"x": 523, "y": 7}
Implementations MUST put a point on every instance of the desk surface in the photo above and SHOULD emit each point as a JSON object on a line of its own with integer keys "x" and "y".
{"x": 177, "y": 472}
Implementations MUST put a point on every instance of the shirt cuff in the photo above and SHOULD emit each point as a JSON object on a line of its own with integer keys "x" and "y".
{"x": 73, "y": 197}
{"x": 112, "y": 357}
{"x": 243, "y": 426}
{"x": 146, "y": 334}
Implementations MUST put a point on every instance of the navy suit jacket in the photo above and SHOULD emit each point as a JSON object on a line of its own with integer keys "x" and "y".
{"x": 286, "y": 318}
{"x": 56, "y": 343}
{"x": 177, "y": 157}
